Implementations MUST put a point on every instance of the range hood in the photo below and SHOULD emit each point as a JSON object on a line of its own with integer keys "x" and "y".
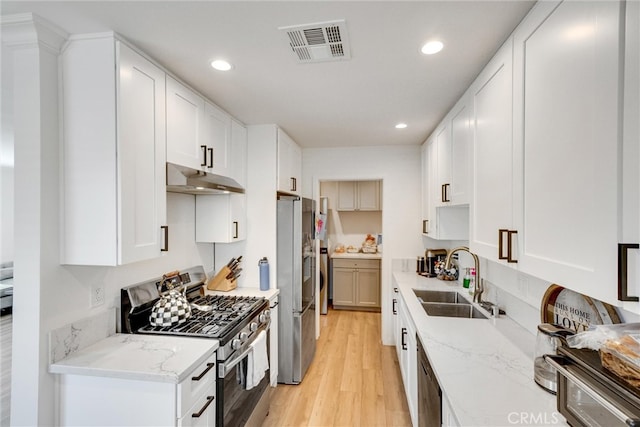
{"x": 181, "y": 179}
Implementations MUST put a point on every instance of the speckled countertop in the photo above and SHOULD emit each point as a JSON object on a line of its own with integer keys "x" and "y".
{"x": 484, "y": 366}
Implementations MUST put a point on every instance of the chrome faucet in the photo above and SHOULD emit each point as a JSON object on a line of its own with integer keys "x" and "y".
{"x": 477, "y": 292}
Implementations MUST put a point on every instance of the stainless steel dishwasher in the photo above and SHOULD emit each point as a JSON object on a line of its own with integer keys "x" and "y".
{"x": 429, "y": 393}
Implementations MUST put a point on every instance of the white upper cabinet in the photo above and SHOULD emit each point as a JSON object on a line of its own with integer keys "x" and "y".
{"x": 221, "y": 218}
{"x": 114, "y": 199}
{"x": 426, "y": 194}
{"x": 443, "y": 164}
{"x": 567, "y": 63}
{"x": 198, "y": 132}
{"x": 185, "y": 113}
{"x": 460, "y": 153}
{"x": 289, "y": 164}
{"x": 492, "y": 207}
{"x": 238, "y": 158}
{"x": 216, "y": 136}
{"x": 630, "y": 239}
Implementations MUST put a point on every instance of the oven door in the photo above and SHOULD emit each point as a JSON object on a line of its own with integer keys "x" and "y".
{"x": 586, "y": 401}
{"x": 235, "y": 404}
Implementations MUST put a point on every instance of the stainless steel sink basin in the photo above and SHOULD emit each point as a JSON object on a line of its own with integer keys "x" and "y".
{"x": 440, "y": 296}
{"x": 452, "y": 310}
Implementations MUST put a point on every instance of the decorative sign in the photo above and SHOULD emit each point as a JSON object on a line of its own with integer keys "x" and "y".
{"x": 575, "y": 311}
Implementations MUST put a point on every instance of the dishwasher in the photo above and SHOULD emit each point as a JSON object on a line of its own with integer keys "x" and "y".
{"x": 429, "y": 393}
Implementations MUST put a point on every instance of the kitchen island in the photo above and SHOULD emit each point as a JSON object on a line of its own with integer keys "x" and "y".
{"x": 484, "y": 367}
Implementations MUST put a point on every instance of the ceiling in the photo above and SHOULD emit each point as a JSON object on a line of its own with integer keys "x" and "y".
{"x": 354, "y": 102}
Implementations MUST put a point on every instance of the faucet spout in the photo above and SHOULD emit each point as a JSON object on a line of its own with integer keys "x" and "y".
{"x": 477, "y": 293}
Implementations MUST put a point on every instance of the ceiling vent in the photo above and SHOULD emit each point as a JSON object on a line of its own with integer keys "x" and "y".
{"x": 320, "y": 42}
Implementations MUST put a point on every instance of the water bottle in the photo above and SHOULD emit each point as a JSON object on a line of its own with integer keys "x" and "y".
{"x": 263, "y": 265}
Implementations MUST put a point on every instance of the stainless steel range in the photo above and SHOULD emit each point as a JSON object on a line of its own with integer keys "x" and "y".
{"x": 235, "y": 321}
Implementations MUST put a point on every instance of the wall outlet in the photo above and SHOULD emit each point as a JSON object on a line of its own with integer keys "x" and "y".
{"x": 97, "y": 295}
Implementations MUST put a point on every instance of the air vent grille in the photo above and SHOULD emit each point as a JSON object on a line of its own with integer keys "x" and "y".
{"x": 319, "y": 42}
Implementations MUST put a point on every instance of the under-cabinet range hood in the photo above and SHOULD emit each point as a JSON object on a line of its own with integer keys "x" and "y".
{"x": 181, "y": 179}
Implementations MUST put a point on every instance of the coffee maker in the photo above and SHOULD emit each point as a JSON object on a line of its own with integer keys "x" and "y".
{"x": 433, "y": 256}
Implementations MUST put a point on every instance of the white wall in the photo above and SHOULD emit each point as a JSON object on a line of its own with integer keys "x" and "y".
{"x": 6, "y": 159}
{"x": 399, "y": 169}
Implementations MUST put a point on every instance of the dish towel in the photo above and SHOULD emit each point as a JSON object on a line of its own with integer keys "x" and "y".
{"x": 257, "y": 361}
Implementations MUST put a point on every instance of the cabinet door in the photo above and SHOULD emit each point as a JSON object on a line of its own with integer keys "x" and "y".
{"x": 347, "y": 196}
{"x": 434, "y": 196}
{"x": 221, "y": 218}
{"x": 424, "y": 156}
{"x": 344, "y": 286}
{"x": 493, "y": 153}
{"x": 443, "y": 166}
{"x": 368, "y": 292}
{"x": 631, "y": 152}
{"x": 461, "y": 143}
{"x": 141, "y": 151}
{"x": 368, "y": 195}
{"x": 289, "y": 164}
{"x": 216, "y": 136}
{"x": 185, "y": 112}
{"x": 239, "y": 146}
{"x": 567, "y": 105}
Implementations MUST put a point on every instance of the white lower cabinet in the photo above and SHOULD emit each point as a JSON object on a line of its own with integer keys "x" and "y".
{"x": 407, "y": 349}
{"x": 273, "y": 345}
{"x": 91, "y": 401}
{"x": 448, "y": 418}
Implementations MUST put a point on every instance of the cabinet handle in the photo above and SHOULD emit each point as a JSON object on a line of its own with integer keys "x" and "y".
{"x": 204, "y": 155}
{"x": 425, "y": 228}
{"x": 510, "y": 234}
{"x": 404, "y": 335}
{"x": 210, "y": 157}
{"x": 235, "y": 226}
{"x": 500, "y": 245}
{"x": 444, "y": 196}
{"x": 204, "y": 408}
{"x": 199, "y": 377}
{"x": 623, "y": 290}
{"x": 166, "y": 238}
{"x": 294, "y": 184}
{"x": 395, "y": 301}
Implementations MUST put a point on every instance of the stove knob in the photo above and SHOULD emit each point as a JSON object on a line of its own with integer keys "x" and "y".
{"x": 243, "y": 336}
{"x": 235, "y": 344}
{"x": 253, "y": 326}
{"x": 264, "y": 316}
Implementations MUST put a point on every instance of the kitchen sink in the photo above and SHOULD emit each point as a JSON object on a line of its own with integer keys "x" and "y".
{"x": 451, "y": 297}
{"x": 452, "y": 310}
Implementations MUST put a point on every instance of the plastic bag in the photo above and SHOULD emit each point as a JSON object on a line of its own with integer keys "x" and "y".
{"x": 596, "y": 335}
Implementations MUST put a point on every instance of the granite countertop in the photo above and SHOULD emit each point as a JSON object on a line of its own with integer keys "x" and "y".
{"x": 357, "y": 255}
{"x": 484, "y": 366}
{"x": 139, "y": 357}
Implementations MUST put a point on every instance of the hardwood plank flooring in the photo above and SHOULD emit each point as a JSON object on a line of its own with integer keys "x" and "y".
{"x": 5, "y": 368}
{"x": 353, "y": 381}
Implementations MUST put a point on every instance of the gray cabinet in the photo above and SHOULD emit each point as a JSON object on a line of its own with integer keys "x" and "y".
{"x": 359, "y": 196}
{"x": 356, "y": 284}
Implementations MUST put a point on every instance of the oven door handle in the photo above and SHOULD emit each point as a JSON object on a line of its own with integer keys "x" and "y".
{"x": 226, "y": 367}
{"x": 559, "y": 363}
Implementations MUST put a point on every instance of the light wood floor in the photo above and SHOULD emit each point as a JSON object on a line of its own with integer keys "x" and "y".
{"x": 5, "y": 369}
{"x": 353, "y": 381}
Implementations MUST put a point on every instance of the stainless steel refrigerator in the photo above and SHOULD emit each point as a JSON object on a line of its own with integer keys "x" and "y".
{"x": 296, "y": 266}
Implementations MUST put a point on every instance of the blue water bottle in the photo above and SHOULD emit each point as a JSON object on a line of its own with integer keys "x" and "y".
{"x": 263, "y": 265}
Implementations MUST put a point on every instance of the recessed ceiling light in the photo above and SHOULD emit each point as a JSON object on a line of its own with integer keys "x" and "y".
{"x": 432, "y": 47}
{"x": 221, "y": 65}
{"x": 401, "y": 125}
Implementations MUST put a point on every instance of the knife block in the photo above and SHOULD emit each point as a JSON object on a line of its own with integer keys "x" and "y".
{"x": 220, "y": 282}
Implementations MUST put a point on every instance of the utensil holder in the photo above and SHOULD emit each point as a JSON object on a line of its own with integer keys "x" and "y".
{"x": 220, "y": 282}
